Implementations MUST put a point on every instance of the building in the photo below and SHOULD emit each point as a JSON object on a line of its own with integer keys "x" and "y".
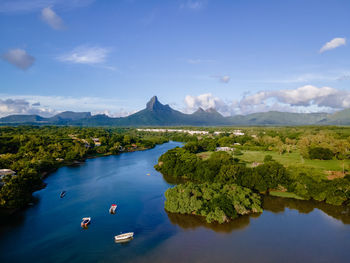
{"x": 4, "y": 172}
{"x": 255, "y": 164}
{"x": 96, "y": 141}
{"x": 225, "y": 149}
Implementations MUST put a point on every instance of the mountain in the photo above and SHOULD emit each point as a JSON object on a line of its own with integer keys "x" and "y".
{"x": 278, "y": 118}
{"x": 157, "y": 114}
{"x": 21, "y": 119}
{"x": 338, "y": 118}
{"x": 70, "y": 115}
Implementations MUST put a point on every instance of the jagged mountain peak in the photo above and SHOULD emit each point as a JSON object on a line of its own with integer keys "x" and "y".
{"x": 153, "y": 104}
{"x": 200, "y": 110}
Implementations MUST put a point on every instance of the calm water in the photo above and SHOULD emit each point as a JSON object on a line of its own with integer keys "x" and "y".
{"x": 49, "y": 231}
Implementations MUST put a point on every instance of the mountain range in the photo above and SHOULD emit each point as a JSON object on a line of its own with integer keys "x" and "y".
{"x": 157, "y": 114}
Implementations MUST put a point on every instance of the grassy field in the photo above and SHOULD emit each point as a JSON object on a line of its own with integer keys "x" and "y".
{"x": 291, "y": 160}
{"x": 295, "y": 159}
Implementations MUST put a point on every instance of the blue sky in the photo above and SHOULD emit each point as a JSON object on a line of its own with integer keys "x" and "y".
{"x": 112, "y": 56}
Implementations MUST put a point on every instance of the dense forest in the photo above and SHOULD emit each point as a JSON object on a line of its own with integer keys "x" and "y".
{"x": 216, "y": 202}
{"x": 32, "y": 152}
{"x": 312, "y": 163}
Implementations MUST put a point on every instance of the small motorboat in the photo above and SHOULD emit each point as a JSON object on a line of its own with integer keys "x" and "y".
{"x": 124, "y": 237}
{"x": 85, "y": 222}
{"x": 63, "y": 193}
{"x": 113, "y": 208}
{"x": 148, "y": 174}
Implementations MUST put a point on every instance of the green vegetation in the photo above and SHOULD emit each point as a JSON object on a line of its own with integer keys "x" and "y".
{"x": 33, "y": 152}
{"x": 301, "y": 163}
{"x": 216, "y": 202}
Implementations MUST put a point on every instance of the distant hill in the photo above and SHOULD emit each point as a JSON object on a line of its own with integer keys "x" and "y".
{"x": 70, "y": 115}
{"x": 157, "y": 114}
{"x": 21, "y": 119}
{"x": 278, "y": 118}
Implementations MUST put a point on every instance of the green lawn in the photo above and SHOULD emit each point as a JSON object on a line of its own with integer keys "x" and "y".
{"x": 294, "y": 159}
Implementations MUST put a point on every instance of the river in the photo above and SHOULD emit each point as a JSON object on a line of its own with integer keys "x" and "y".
{"x": 49, "y": 231}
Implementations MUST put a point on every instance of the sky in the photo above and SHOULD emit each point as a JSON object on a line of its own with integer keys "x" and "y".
{"x": 111, "y": 57}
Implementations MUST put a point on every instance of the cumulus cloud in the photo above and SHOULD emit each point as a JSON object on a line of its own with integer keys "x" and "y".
{"x": 206, "y": 101}
{"x": 21, "y": 106}
{"x": 85, "y": 55}
{"x": 307, "y": 95}
{"x": 19, "y": 58}
{"x": 334, "y": 43}
{"x": 51, "y": 18}
{"x": 307, "y": 98}
{"x": 15, "y": 6}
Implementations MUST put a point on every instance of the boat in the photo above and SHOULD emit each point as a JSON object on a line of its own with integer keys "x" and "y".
{"x": 148, "y": 174}
{"x": 63, "y": 193}
{"x": 124, "y": 237}
{"x": 85, "y": 222}
{"x": 113, "y": 208}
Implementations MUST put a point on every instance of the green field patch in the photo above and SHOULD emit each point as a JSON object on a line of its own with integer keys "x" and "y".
{"x": 295, "y": 159}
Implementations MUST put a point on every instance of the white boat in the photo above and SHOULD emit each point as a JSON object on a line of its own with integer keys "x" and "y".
{"x": 113, "y": 208}
{"x": 85, "y": 222}
{"x": 123, "y": 237}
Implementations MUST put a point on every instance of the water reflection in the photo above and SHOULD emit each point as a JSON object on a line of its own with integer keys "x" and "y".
{"x": 173, "y": 180}
{"x": 270, "y": 203}
{"x": 278, "y": 205}
{"x": 193, "y": 222}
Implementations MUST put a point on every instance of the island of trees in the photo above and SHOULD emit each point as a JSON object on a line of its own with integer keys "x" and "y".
{"x": 303, "y": 163}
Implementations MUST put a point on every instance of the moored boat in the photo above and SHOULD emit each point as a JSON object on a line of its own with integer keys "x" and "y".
{"x": 85, "y": 222}
{"x": 63, "y": 193}
{"x": 124, "y": 237}
{"x": 113, "y": 208}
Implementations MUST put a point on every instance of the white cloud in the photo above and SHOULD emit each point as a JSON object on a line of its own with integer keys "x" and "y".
{"x": 15, "y": 6}
{"x": 307, "y": 98}
{"x": 20, "y": 106}
{"x": 207, "y": 101}
{"x": 19, "y": 58}
{"x": 223, "y": 79}
{"x": 85, "y": 55}
{"x": 334, "y": 43}
{"x": 47, "y": 106}
{"x": 194, "y": 5}
{"x": 51, "y": 18}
